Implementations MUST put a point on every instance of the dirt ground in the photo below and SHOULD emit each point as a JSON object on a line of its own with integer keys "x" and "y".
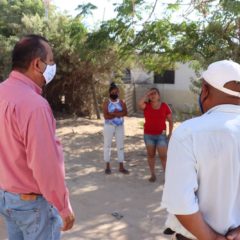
{"x": 95, "y": 196}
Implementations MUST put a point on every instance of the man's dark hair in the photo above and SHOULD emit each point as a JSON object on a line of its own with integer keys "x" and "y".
{"x": 27, "y": 49}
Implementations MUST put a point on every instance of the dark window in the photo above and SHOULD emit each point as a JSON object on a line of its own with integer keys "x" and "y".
{"x": 167, "y": 77}
{"x": 126, "y": 75}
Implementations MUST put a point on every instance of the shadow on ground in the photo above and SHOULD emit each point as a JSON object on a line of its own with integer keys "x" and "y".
{"x": 96, "y": 196}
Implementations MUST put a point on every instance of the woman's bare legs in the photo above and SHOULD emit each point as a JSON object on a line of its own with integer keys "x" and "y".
{"x": 162, "y": 152}
{"x": 151, "y": 152}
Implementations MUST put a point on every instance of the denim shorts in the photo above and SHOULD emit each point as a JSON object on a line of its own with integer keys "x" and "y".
{"x": 160, "y": 140}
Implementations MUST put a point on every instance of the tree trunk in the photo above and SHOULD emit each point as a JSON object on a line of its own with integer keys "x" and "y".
{"x": 95, "y": 103}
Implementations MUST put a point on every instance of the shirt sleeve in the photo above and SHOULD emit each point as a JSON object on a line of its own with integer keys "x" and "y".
{"x": 181, "y": 178}
{"x": 45, "y": 159}
{"x": 168, "y": 109}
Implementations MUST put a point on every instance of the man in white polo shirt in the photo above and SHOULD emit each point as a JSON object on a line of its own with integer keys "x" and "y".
{"x": 202, "y": 185}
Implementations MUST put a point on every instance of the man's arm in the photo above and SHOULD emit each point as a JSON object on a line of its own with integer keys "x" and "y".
{"x": 181, "y": 185}
{"x": 45, "y": 159}
{"x": 195, "y": 224}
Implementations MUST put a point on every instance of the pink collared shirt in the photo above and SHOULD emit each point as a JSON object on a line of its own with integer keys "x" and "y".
{"x": 31, "y": 157}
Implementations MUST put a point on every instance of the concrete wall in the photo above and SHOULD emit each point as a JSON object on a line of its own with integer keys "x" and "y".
{"x": 178, "y": 95}
{"x": 139, "y": 76}
{"x": 130, "y": 98}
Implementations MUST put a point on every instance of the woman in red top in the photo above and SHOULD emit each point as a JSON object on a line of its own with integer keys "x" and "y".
{"x": 156, "y": 113}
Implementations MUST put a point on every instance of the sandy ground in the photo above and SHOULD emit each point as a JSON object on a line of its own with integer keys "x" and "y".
{"x": 95, "y": 196}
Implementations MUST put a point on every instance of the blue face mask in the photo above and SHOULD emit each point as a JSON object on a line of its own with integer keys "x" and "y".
{"x": 200, "y": 104}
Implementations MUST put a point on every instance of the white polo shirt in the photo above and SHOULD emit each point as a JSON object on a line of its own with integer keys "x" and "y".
{"x": 203, "y": 169}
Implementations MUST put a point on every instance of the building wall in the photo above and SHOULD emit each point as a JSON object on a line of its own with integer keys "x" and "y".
{"x": 139, "y": 76}
{"x": 178, "y": 95}
{"x": 130, "y": 98}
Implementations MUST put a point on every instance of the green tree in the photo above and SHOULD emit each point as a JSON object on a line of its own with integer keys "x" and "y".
{"x": 88, "y": 60}
{"x": 85, "y": 9}
{"x": 11, "y": 27}
{"x": 213, "y": 35}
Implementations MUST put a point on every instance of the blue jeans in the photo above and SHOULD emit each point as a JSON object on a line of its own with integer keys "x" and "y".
{"x": 29, "y": 220}
{"x": 160, "y": 140}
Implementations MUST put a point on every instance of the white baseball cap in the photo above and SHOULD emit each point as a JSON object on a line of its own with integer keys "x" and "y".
{"x": 221, "y": 72}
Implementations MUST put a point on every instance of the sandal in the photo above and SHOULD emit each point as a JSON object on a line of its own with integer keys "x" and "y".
{"x": 108, "y": 171}
{"x": 168, "y": 231}
{"x": 152, "y": 179}
{"x": 117, "y": 215}
{"x": 124, "y": 171}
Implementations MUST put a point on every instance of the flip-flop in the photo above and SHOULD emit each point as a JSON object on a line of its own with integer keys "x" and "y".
{"x": 152, "y": 179}
{"x": 117, "y": 215}
{"x": 168, "y": 231}
{"x": 124, "y": 171}
{"x": 108, "y": 171}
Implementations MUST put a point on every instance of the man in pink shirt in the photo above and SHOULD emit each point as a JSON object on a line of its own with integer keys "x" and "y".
{"x": 34, "y": 199}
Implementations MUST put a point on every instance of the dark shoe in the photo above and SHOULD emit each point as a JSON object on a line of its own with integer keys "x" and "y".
{"x": 181, "y": 237}
{"x": 152, "y": 179}
{"x": 108, "y": 171}
{"x": 117, "y": 215}
{"x": 168, "y": 231}
{"x": 124, "y": 171}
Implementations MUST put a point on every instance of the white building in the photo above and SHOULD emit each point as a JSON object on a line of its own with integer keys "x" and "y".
{"x": 174, "y": 87}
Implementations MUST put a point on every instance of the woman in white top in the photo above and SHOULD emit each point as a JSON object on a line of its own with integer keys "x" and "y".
{"x": 114, "y": 110}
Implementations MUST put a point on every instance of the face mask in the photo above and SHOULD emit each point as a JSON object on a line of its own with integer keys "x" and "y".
{"x": 114, "y": 96}
{"x": 49, "y": 73}
{"x": 200, "y": 104}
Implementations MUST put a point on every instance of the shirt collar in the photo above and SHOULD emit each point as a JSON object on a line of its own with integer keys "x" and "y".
{"x": 25, "y": 80}
{"x": 228, "y": 108}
